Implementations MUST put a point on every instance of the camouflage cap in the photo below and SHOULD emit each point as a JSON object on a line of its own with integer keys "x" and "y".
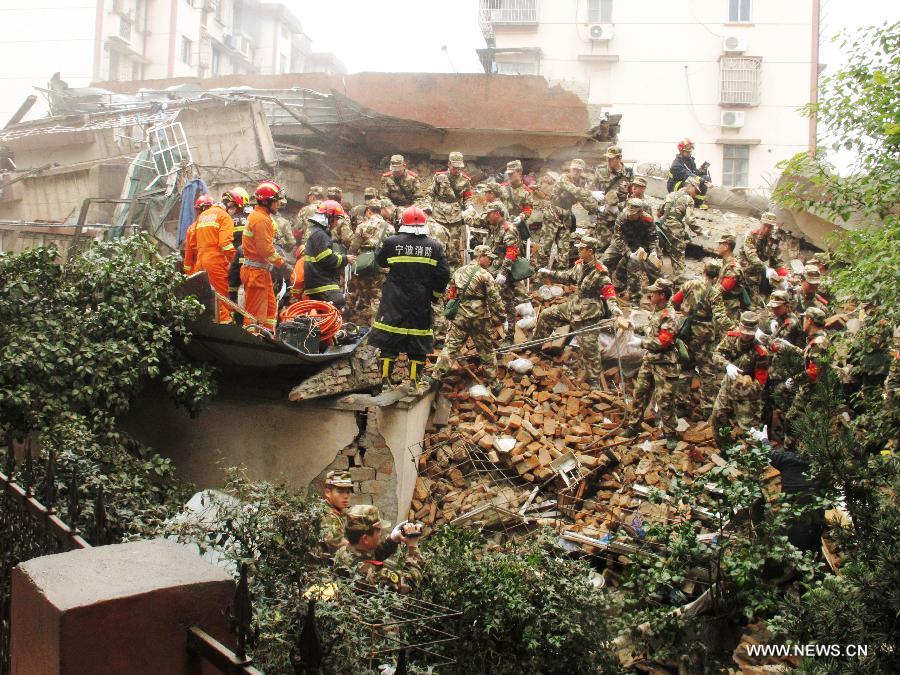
{"x": 495, "y": 206}
{"x": 363, "y": 518}
{"x": 634, "y": 205}
{"x": 397, "y": 160}
{"x": 662, "y": 284}
{"x": 639, "y": 180}
{"x": 317, "y": 190}
{"x": 727, "y": 239}
{"x": 493, "y": 186}
{"x": 816, "y": 315}
{"x": 778, "y": 299}
{"x": 692, "y": 180}
{"x": 386, "y": 203}
{"x": 514, "y": 165}
{"x": 749, "y": 323}
{"x": 370, "y": 193}
{"x": 334, "y": 191}
{"x": 338, "y": 479}
{"x": 821, "y": 258}
{"x": 426, "y": 206}
{"x": 768, "y": 218}
{"x": 481, "y": 250}
{"x": 712, "y": 266}
{"x": 613, "y": 151}
{"x": 456, "y": 159}
{"x": 577, "y": 164}
{"x": 588, "y": 241}
{"x": 811, "y": 274}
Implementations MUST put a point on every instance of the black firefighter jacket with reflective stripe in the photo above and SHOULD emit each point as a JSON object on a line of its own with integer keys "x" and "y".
{"x": 321, "y": 265}
{"x": 418, "y": 275}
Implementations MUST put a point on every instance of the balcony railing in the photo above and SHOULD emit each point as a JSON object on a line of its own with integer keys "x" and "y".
{"x": 506, "y": 12}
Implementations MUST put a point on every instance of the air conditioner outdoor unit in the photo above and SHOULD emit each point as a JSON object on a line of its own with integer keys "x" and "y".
{"x": 732, "y": 43}
{"x": 600, "y": 32}
{"x": 732, "y": 119}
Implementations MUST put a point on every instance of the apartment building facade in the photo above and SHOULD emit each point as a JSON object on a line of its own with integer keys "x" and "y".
{"x": 153, "y": 39}
{"x": 728, "y": 74}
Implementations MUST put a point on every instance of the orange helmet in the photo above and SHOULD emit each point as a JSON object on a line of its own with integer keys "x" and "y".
{"x": 413, "y": 215}
{"x": 685, "y": 143}
{"x": 269, "y": 190}
{"x": 203, "y": 202}
{"x": 331, "y": 208}
{"x": 237, "y": 196}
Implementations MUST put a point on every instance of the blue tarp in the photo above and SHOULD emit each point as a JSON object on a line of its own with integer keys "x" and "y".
{"x": 188, "y": 196}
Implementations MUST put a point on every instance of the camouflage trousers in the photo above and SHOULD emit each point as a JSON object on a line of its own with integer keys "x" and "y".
{"x": 602, "y": 231}
{"x": 660, "y": 379}
{"x": 364, "y": 296}
{"x": 738, "y": 406}
{"x": 456, "y": 248}
{"x": 554, "y": 231}
{"x": 677, "y": 252}
{"x": 459, "y": 331}
{"x": 733, "y": 307}
{"x": 512, "y": 293}
{"x": 701, "y": 348}
{"x": 627, "y": 273}
{"x": 559, "y": 315}
{"x": 439, "y": 323}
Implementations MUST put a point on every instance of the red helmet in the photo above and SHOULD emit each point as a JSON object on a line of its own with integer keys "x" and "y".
{"x": 331, "y": 208}
{"x": 203, "y": 202}
{"x": 269, "y": 190}
{"x": 413, "y": 215}
{"x": 685, "y": 143}
{"x": 237, "y": 196}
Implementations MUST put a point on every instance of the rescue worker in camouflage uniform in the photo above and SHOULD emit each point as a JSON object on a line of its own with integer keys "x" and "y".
{"x": 337, "y": 492}
{"x": 365, "y": 285}
{"x": 739, "y": 403}
{"x": 659, "y": 369}
{"x": 613, "y": 179}
{"x": 315, "y": 195}
{"x": 677, "y": 214}
{"x": 368, "y": 558}
{"x": 515, "y": 195}
{"x": 541, "y": 192}
{"x": 760, "y": 259}
{"x": 807, "y": 294}
{"x": 358, "y": 212}
{"x": 480, "y": 308}
{"x": 731, "y": 279}
{"x": 503, "y": 239}
{"x": 341, "y": 227}
{"x": 705, "y": 322}
{"x": 815, "y": 359}
{"x": 442, "y": 235}
{"x": 785, "y": 324}
{"x": 400, "y": 185}
{"x": 450, "y": 193}
{"x": 633, "y": 255}
{"x": 637, "y": 188}
{"x": 594, "y": 301}
{"x": 558, "y": 219}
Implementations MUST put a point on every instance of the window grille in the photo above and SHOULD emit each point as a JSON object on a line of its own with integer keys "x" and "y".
{"x": 509, "y": 11}
{"x": 600, "y": 11}
{"x": 740, "y": 77}
{"x": 736, "y": 165}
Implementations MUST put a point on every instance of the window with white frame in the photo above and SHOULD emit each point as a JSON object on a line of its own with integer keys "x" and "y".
{"x": 739, "y": 80}
{"x": 739, "y": 11}
{"x": 600, "y": 11}
{"x": 187, "y": 47}
{"x": 735, "y": 165}
{"x": 517, "y": 68}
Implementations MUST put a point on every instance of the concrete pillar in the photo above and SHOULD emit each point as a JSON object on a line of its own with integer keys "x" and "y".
{"x": 115, "y": 609}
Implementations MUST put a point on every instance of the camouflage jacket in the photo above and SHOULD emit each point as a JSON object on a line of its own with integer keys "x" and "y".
{"x": 790, "y": 328}
{"x": 505, "y": 241}
{"x": 596, "y": 296}
{"x": 566, "y": 194}
{"x": 659, "y": 337}
{"x": 380, "y": 570}
{"x": 358, "y": 213}
{"x": 332, "y": 531}
{"x": 815, "y": 356}
{"x": 630, "y": 235}
{"x": 701, "y": 301}
{"x": 438, "y": 232}
{"x": 369, "y": 233}
{"x": 284, "y": 234}
{"x": 481, "y": 300}
{"x": 342, "y": 231}
{"x": 748, "y": 355}
{"x": 678, "y": 212}
{"x": 403, "y": 191}
{"x": 607, "y": 180}
{"x": 517, "y": 200}
{"x": 303, "y": 215}
{"x": 757, "y": 253}
{"x": 804, "y": 302}
{"x": 449, "y": 195}
{"x": 540, "y": 207}
{"x": 731, "y": 279}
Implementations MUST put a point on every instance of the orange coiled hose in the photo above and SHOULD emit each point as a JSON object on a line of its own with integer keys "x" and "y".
{"x": 326, "y": 316}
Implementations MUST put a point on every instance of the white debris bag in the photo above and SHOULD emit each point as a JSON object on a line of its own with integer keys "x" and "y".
{"x": 525, "y": 309}
{"x": 623, "y": 346}
{"x": 527, "y": 323}
{"x": 479, "y": 391}
{"x": 521, "y": 366}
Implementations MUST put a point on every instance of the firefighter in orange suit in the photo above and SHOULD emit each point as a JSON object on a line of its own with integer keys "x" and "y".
{"x": 215, "y": 245}
{"x": 202, "y": 203}
{"x": 260, "y": 255}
